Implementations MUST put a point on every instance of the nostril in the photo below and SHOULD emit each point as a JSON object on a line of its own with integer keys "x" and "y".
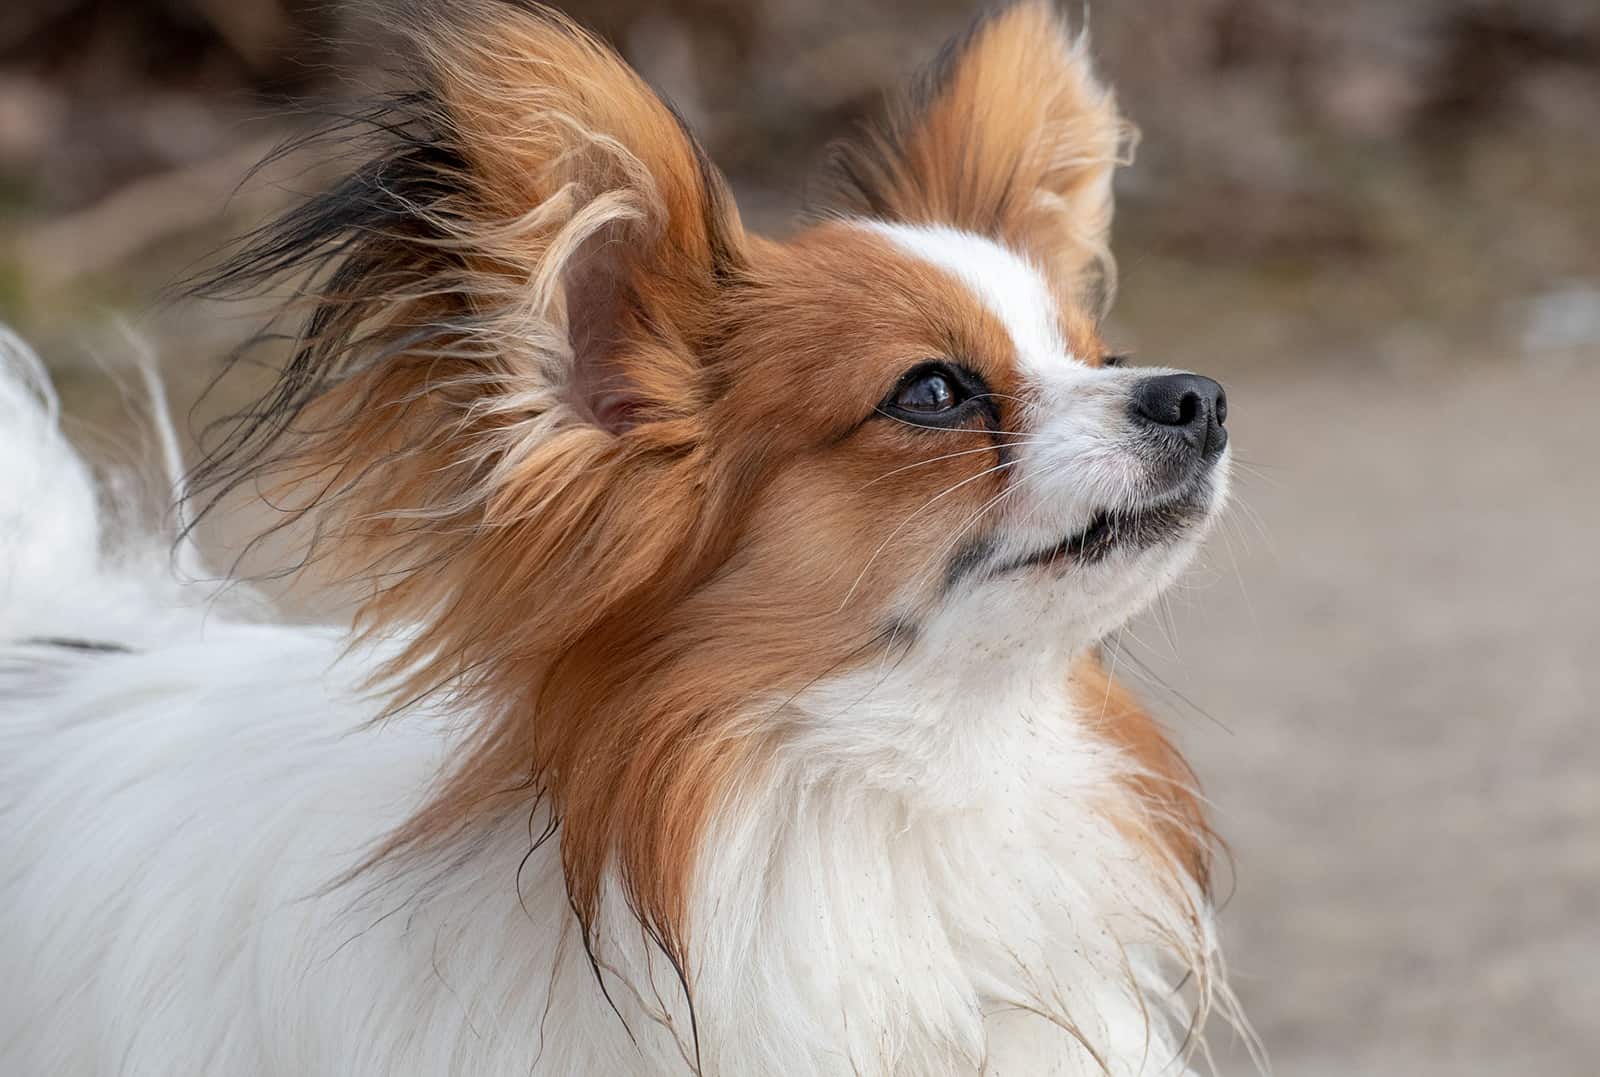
{"x": 1222, "y": 407}
{"x": 1186, "y": 401}
{"x": 1188, "y": 408}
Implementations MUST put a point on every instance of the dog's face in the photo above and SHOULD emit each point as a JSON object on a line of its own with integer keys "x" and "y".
{"x": 944, "y": 434}
{"x": 632, "y": 478}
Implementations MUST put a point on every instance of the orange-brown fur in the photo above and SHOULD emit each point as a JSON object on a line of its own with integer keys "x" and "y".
{"x": 1003, "y": 140}
{"x": 614, "y": 602}
{"x": 1163, "y": 784}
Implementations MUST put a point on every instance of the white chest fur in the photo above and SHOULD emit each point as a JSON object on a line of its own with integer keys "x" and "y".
{"x": 175, "y": 822}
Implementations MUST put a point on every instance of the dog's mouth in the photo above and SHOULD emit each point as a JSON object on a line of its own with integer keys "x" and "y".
{"x": 1108, "y": 531}
{"x": 1112, "y": 530}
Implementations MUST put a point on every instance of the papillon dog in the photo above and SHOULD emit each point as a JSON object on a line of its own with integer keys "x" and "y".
{"x": 724, "y": 691}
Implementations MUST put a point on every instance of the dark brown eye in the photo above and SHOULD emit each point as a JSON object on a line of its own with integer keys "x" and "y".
{"x": 1113, "y": 360}
{"x": 938, "y": 394}
{"x": 927, "y": 394}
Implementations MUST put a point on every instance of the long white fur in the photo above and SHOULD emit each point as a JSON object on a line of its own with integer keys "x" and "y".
{"x": 926, "y": 878}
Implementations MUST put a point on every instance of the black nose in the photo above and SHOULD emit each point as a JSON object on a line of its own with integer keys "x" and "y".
{"x": 1186, "y": 404}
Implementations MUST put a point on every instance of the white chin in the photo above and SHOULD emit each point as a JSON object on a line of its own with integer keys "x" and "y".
{"x": 1105, "y": 595}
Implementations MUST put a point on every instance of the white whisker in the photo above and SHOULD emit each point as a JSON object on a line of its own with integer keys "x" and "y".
{"x": 948, "y": 456}
{"x": 904, "y": 523}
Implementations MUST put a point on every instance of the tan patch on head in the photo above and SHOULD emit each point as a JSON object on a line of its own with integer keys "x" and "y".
{"x": 1080, "y": 330}
{"x": 840, "y": 313}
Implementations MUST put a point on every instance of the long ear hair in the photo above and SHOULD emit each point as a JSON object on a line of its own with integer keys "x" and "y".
{"x": 1008, "y": 134}
{"x": 492, "y": 414}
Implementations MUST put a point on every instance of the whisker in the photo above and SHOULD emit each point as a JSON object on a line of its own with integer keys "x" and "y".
{"x": 1169, "y": 626}
{"x": 947, "y": 456}
{"x": 912, "y": 516}
{"x": 1002, "y": 396}
{"x": 1258, "y": 464}
{"x": 1247, "y": 513}
{"x": 938, "y": 556}
{"x": 1111, "y": 673}
{"x": 955, "y": 429}
{"x": 934, "y": 560}
{"x": 1238, "y": 574}
{"x": 1253, "y": 472}
{"x": 1154, "y": 680}
{"x": 944, "y": 550}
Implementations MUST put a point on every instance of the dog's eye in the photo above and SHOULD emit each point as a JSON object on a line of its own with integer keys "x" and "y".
{"x": 937, "y": 394}
{"x": 928, "y": 393}
{"x": 1113, "y": 360}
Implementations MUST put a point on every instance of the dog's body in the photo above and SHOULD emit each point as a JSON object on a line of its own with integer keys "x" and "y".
{"x": 932, "y": 837}
{"x": 172, "y": 917}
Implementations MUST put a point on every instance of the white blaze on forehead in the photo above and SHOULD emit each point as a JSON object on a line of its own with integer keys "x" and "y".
{"x": 1012, "y": 289}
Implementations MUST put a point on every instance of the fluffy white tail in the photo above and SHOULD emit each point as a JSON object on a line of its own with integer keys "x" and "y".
{"x": 69, "y": 568}
{"x": 49, "y": 519}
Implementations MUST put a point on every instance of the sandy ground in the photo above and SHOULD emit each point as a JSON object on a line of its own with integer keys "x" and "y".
{"x": 1394, "y": 647}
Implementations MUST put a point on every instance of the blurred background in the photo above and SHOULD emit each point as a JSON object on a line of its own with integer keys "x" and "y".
{"x": 1377, "y": 223}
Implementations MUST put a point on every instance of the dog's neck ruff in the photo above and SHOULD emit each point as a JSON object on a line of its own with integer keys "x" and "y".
{"x": 993, "y": 907}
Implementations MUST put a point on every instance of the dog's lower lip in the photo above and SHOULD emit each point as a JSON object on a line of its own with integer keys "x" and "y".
{"x": 1091, "y": 542}
{"x": 1107, "y": 529}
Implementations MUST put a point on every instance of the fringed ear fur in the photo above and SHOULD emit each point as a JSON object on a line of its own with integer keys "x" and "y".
{"x": 501, "y": 364}
{"x": 506, "y": 302}
{"x": 1007, "y": 135}
{"x": 596, "y": 190}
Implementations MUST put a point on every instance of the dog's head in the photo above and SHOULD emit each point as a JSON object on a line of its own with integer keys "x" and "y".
{"x": 641, "y": 476}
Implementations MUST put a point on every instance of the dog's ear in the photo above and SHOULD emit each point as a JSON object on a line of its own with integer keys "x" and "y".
{"x": 617, "y": 204}
{"x": 582, "y": 186}
{"x": 502, "y": 367}
{"x": 533, "y": 218}
{"x": 1008, "y": 135}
